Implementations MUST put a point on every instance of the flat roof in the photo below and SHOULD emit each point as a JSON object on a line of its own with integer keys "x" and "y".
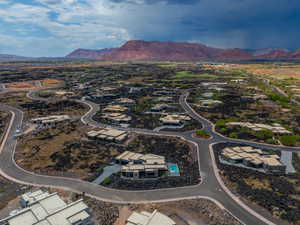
{"x": 145, "y": 218}
{"x": 51, "y": 210}
{"x": 108, "y": 133}
{"x": 148, "y": 161}
{"x": 34, "y": 196}
{"x": 255, "y": 156}
{"x": 118, "y": 108}
{"x": 127, "y": 155}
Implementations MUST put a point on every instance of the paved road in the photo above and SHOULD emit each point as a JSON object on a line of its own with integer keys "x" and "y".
{"x": 211, "y": 186}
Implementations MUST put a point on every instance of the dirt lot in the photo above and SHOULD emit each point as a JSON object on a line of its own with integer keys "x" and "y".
{"x": 276, "y": 70}
{"x": 14, "y": 99}
{"x": 17, "y": 86}
{"x": 49, "y": 152}
{"x": 35, "y": 109}
{"x": 8, "y": 192}
{"x": 3, "y": 121}
{"x": 51, "y": 83}
{"x": 283, "y": 70}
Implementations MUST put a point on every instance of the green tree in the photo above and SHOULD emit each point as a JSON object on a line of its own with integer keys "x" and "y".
{"x": 264, "y": 134}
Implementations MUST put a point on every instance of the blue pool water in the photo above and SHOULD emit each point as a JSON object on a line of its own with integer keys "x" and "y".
{"x": 173, "y": 169}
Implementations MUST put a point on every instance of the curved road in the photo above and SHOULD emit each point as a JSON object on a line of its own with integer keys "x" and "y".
{"x": 211, "y": 186}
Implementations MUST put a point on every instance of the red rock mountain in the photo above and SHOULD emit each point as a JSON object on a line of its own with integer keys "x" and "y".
{"x": 295, "y": 54}
{"x": 143, "y": 50}
{"x": 179, "y": 51}
{"x": 276, "y": 54}
{"x": 88, "y": 53}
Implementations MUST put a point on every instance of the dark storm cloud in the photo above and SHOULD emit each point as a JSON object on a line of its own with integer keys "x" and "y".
{"x": 230, "y": 23}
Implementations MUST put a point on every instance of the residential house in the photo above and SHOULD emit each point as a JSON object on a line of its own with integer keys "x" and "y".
{"x": 50, "y": 121}
{"x": 136, "y": 165}
{"x": 43, "y": 208}
{"x": 146, "y": 218}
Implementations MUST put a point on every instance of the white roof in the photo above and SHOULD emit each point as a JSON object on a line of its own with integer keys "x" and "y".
{"x": 276, "y": 128}
{"x": 54, "y": 118}
{"x": 145, "y": 218}
{"x": 138, "y": 219}
{"x": 51, "y": 210}
{"x": 52, "y": 203}
{"x": 73, "y": 211}
{"x": 79, "y": 216}
{"x": 26, "y": 218}
{"x": 158, "y": 218}
{"x": 34, "y": 196}
{"x": 108, "y": 133}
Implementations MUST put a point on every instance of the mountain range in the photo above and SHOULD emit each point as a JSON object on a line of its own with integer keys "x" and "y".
{"x": 180, "y": 51}
{"x": 138, "y": 50}
{"x": 89, "y": 53}
{"x": 6, "y": 57}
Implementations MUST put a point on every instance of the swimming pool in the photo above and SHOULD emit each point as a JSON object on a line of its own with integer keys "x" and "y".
{"x": 173, "y": 169}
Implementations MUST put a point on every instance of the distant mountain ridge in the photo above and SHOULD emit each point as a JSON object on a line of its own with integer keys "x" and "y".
{"x": 138, "y": 50}
{"x": 184, "y": 51}
{"x": 7, "y": 57}
{"x": 155, "y": 50}
{"x": 11, "y": 58}
{"x": 89, "y": 53}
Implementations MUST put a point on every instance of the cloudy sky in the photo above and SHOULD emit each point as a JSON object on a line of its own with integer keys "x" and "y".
{"x": 56, "y": 27}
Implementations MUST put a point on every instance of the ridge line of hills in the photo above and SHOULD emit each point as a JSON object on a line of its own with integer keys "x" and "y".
{"x": 138, "y": 50}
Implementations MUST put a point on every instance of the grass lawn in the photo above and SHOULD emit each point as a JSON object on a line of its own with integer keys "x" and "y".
{"x": 191, "y": 75}
{"x": 202, "y": 134}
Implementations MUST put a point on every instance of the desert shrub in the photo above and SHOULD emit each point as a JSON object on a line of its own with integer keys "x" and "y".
{"x": 271, "y": 141}
{"x": 223, "y": 130}
{"x": 106, "y": 181}
{"x": 221, "y": 123}
{"x": 233, "y": 135}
